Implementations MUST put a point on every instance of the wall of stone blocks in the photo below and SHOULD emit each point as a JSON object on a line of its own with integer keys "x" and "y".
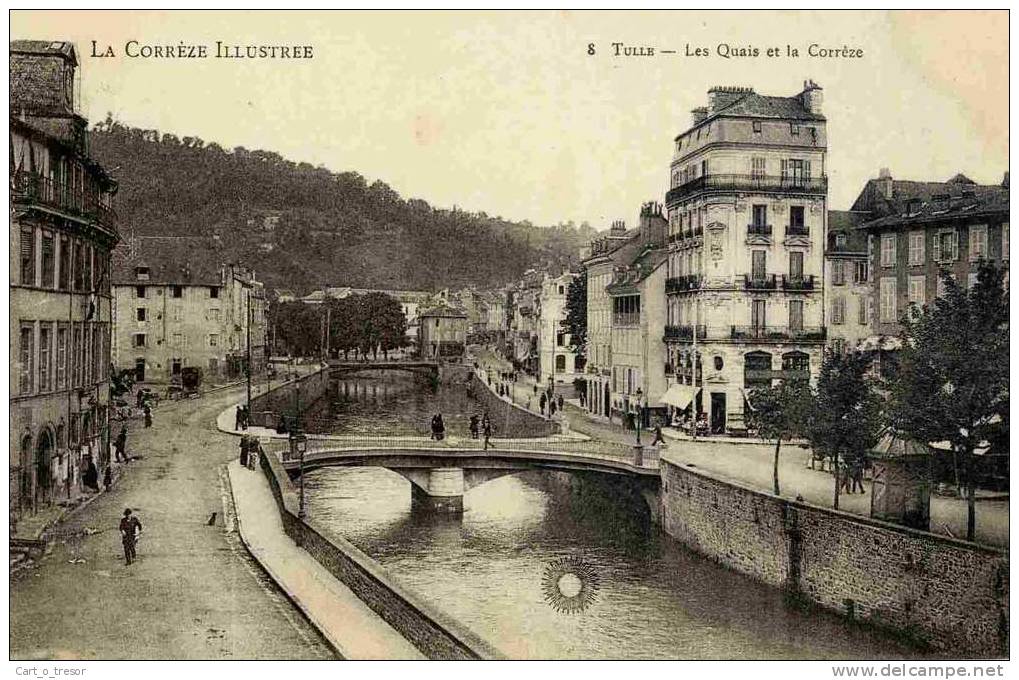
{"x": 510, "y": 422}
{"x": 266, "y": 408}
{"x": 945, "y": 593}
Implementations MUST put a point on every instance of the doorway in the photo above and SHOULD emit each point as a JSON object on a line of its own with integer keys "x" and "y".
{"x": 717, "y": 412}
{"x": 139, "y": 370}
{"x": 175, "y": 367}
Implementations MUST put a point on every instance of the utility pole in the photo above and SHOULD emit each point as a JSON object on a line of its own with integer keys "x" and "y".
{"x": 248, "y": 352}
{"x": 696, "y": 364}
{"x": 329, "y": 316}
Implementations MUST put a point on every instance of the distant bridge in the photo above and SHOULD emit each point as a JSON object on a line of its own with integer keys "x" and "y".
{"x": 440, "y": 472}
{"x": 429, "y": 367}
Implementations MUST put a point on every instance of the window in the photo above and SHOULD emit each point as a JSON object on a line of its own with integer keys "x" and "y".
{"x": 972, "y": 279}
{"x": 941, "y": 286}
{"x": 794, "y": 128}
{"x": 838, "y": 272}
{"x": 560, "y": 363}
{"x": 560, "y": 339}
{"x": 916, "y": 248}
{"x": 178, "y": 313}
{"x": 26, "y": 357}
{"x": 1004, "y": 241}
{"x": 758, "y": 264}
{"x": 176, "y": 291}
{"x": 838, "y": 310}
{"x": 887, "y": 301}
{"x": 757, "y": 126}
{"x": 758, "y": 313}
{"x": 139, "y": 291}
{"x": 213, "y": 339}
{"x": 917, "y": 287}
{"x": 45, "y": 365}
{"x": 141, "y": 273}
{"x": 214, "y": 292}
{"x": 48, "y": 261}
{"x": 704, "y": 167}
{"x": 28, "y": 256}
{"x": 861, "y": 310}
{"x": 719, "y": 363}
{"x": 213, "y": 314}
{"x": 840, "y": 241}
{"x": 139, "y": 340}
{"x": 61, "y": 358}
{"x": 977, "y": 242}
{"x": 796, "y": 265}
{"x": 760, "y": 215}
{"x": 795, "y": 361}
{"x": 140, "y": 313}
{"x": 861, "y": 272}
{"x": 796, "y": 170}
{"x": 946, "y": 246}
{"x": 76, "y": 349}
{"x": 79, "y": 265}
{"x": 796, "y": 216}
{"x": 888, "y": 250}
{"x": 64, "y": 267}
{"x": 757, "y": 167}
{"x": 86, "y": 266}
{"x": 177, "y": 340}
{"x": 796, "y": 315}
{"x": 561, "y": 290}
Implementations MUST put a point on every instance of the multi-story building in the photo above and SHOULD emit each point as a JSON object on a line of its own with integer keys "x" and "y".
{"x": 918, "y": 229}
{"x": 607, "y": 252}
{"x": 848, "y": 309}
{"x": 524, "y": 322}
{"x": 62, "y": 231}
{"x": 747, "y": 209}
{"x": 558, "y": 360}
{"x": 637, "y": 295}
{"x": 442, "y": 333}
{"x": 177, "y": 305}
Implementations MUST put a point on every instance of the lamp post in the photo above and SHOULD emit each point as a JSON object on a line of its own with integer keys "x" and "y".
{"x": 298, "y": 446}
{"x": 640, "y": 411}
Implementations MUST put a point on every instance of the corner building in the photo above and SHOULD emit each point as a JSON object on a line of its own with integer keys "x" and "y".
{"x": 747, "y": 214}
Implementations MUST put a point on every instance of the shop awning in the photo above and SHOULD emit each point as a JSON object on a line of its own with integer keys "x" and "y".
{"x": 679, "y": 396}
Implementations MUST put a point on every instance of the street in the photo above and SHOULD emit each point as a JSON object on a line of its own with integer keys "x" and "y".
{"x": 194, "y": 592}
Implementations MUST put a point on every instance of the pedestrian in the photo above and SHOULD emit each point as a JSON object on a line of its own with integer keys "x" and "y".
{"x": 551, "y": 408}
{"x": 488, "y": 432}
{"x": 844, "y": 477}
{"x": 148, "y": 415}
{"x": 245, "y": 417}
{"x": 107, "y": 478}
{"x": 541, "y": 402}
{"x": 474, "y": 425}
{"x": 254, "y": 450}
{"x": 120, "y": 445}
{"x": 91, "y": 476}
{"x": 857, "y": 472}
{"x": 244, "y": 450}
{"x": 535, "y": 388}
{"x": 238, "y": 417}
{"x": 130, "y": 528}
{"x": 560, "y": 402}
{"x": 659, "y": 439}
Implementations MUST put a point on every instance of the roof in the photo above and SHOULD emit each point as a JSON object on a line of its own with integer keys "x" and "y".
{"x": 641, "y": 265}
{"x": 926, "y": 207}
{"x": 753, "y": 105}
{"x": 872, "y": 199}
{"x": 61, "y": 48}
{"x": 847, "y": 222}
{"x": 895, "y": 445}
{"x": 443, "y": 311}
{"x": 175, "y": 260}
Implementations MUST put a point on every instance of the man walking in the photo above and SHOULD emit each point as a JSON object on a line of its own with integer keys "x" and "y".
{"x": 148, "y": 415}
{"x": 487, "y": 432}
{"x": 130, "y": 527}
{"x": 120, "y": 444}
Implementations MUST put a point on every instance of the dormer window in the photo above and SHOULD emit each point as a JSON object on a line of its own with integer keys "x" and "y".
{"x": 757, "y": 126}
{"x": 141, "y": 273}
{"x": 794, "y": 128}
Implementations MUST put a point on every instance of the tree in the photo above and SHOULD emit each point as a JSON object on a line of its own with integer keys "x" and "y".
{"x": 845, "y": 414}
{"x": 780, "y": 413}
{"x": 297, "y": 328}
{"x": 952, "y": 382}
{"x": 575, "y": 322}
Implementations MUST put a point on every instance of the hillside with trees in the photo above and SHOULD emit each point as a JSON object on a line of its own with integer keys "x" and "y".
{"x": 303, "y": 227}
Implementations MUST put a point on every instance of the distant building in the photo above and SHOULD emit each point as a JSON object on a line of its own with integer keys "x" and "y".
{"x": 177, "y": 305}
{"x": 410, "y": 301}
{"x": 524, "y": 322}
{"x": 442, "y": 333}
{"x": 917, "y": 229}
{"x": 558, "y": 361}
{"x": 848, "y": 308}
{"x": 62, "y": 231}
{"x": 747, "y": 209}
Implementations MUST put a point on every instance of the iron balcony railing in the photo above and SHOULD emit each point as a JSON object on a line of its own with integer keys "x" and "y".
{"x": 760, "y": 281}
{"x": 32, "y": 188}
{"x": 626, "y": 319}
{"x": 679, "y": 284}
{"x": 759, "y": 229}
{"x": 785, "y": 183}
{"x": 798, "y": 282}
{"x": 780, "y": 333}
{"x": 685, "y": 332}
{"x": 761, "y": 374}
{"x": 797, "y": 230}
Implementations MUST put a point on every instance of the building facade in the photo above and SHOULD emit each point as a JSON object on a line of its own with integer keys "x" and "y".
{"x": 916, "y": 230}
{"x": 848, "y": 305}
{"x": 442, "y": 333}
{"x": 176, "y": 306}
{"x": 558, "y": 361}
{"x": 747, "y": 209}
{"x": 62, "y": 231}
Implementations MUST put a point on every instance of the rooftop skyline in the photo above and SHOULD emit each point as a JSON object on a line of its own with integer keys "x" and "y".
{"x": 509, "y": 114}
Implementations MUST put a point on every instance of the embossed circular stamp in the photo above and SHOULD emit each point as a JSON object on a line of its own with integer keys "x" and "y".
{"x": 570, "y": 585}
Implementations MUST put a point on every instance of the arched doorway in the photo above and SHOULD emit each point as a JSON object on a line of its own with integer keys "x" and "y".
{"x": 44, "y": 451}
{"x": 25, "y": 494}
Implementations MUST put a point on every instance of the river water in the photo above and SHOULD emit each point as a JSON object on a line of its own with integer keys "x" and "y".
{"x": 654, "y": 599}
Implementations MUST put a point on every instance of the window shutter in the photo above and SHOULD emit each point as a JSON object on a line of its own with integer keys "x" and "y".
{"x": 785, "y": 168}
{"x": 806, "y": 168}
{"x": 955, "y": 245}
{"x": 937, "y": 247}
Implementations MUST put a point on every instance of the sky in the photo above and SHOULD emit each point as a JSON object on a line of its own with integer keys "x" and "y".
{"x": 509, "y": 113}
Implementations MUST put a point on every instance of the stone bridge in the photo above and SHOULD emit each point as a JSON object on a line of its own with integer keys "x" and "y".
{"x": 440, "y": 472}
{"x": 428, "y": 367}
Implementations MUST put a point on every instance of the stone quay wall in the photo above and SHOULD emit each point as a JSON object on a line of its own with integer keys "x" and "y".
{"x": 510, "y": 421}
{"x": 267, "y": 408}
{"x": 436, "y": 634}
{"x": 948, "y": 594}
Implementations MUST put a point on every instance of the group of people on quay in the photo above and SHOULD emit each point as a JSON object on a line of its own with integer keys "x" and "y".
{"x": 478, "y": 426}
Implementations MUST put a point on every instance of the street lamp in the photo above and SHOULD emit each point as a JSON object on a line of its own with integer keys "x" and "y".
{"x": 640, "y": 411}
{"x": 298, "y": 446}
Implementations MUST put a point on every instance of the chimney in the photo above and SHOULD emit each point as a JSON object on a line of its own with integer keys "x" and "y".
{"x": 884, "y": 183}
{"x": 721, "y": 96}
{"x": 618, "y": 227}
{"x": 812, "y": 96}
{"x": 699, "y": 115}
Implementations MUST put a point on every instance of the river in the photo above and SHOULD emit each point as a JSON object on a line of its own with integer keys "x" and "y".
{"x": 654, "y": 599}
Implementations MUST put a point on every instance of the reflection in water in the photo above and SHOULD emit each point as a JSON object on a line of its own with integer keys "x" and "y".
{"x": 655, "y": 599}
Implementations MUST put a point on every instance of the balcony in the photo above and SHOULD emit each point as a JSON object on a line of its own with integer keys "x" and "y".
{"x": 626, "y": 319}
{"x": 685, "y": 332}
{"x": 776, "y": 183}
{"x": 34, "y": 189}
{"x": 798, "y": 282}
{"x": 680, "y": 284}
{"x": 760, "y": 282}
{"x": 797, "y": 230}
{"x": 766, "y": 375}
{"x": 779, "y": 333}
{"x": 759, "y": 229}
